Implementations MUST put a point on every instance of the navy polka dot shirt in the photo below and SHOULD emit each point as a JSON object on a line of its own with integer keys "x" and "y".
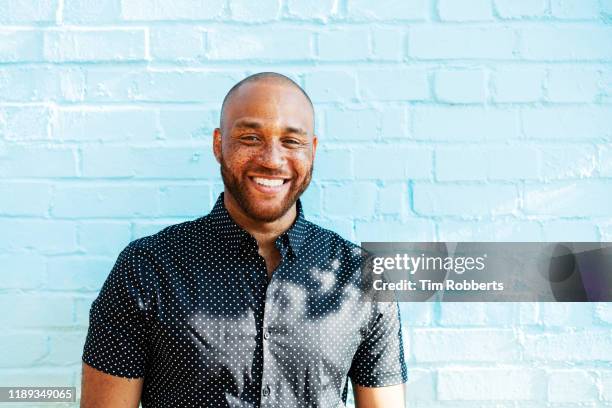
{"x": 191, "y": 309}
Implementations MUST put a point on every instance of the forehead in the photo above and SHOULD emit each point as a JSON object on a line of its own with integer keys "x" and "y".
{"x": 271, "y": 102}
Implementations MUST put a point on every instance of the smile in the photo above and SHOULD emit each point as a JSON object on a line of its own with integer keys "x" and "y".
{"x": 269, "y": 186}
{"x": 269, "y": 182}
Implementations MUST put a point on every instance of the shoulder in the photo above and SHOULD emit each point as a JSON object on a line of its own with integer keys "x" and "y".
{"x": 330, "y": 244}
{"x": 173, "y": 237}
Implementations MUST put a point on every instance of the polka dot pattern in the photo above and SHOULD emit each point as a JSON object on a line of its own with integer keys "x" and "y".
{"x": 191, "y": 309}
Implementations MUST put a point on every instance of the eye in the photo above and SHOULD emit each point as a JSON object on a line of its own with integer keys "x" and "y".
{"x": 292, "y": 142}
{"x": 250, "y": 137}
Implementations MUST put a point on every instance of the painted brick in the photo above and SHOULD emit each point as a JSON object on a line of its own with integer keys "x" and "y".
{"x": 572, "y": 346}
{"x": 469, "y": 10}
{"x": 566, "y": 43}
{"x": 182, "y": 43}
{"x": 517, "y": 84}
{"x": 25, "y": 161}
{"x": 77, "y": 273}
{"x": 572, "y": 85}
{"x": 354, "y": 199}
{"x": 161, "y": 10}
{"x": 387, "y": 43}
{"x": 20, "y": 12}
{"x": 569, "y": 123}
{"x": 95, "y": 45}
{"x": 106, "y": 124}
{"x": 333, "y": 164}
{"x": 606, "y": 386}
{"x": 511, "y": 230}
{"x": 97, "y": 201}
{"x": 515, "y": 9}
{"x": 112, "y": 84}
{"x": 575, "y": 9}
{"x": 163, "y": 162}
{"x": 248, "y": 11}
{"x": 20, "y": 84}
{"x": 460, "y": 345}
{"x": 466, "y": 200}
{"x": 14, "y": 267}
{"x": 312, "y": 199}
{"x": 21, "y": 349}
{"x": 344, "y": 45}
{"x": 91, "y": 11}
{"x": 579, "y": 198}
{"x": 567, "y": 315}
{"x": 330, "y": 86}
{"x": 266, "y": 44}
{"x": 441, "y": 123}
{"x": 409, "y": 84}
{"x": 492, "y": 163}
{"x": 20, "y": 45}
{"x": 604, "y": 312}
{"x": 393, "y": 163}
{"x": 393, "y": 199}
{"x": 570, "y": 231}
{"x": 420, "y": 386}
{"x": 116, "y": 237}
{"x": 65, "y": 348}
{"x": 484, "y": 384}
{"x": 36, "y": 310}
{"x": 389, "y": 10}
{"x": 395, "y": 123}
{"x": 312, "y": 10}
{"x": 605, "y": 160}
{"x": 24, "y": 198}
{"x": 184, "y": 200}
{"x": 381, "y": 230}
{"x": 354, "y": 124}
{"x": 568, "y": 162}
{"x": 185, "y": 124}
{"x": 460, "y": 86}
{"x": 51, "y": 236}
{"x": 449, "y": 42}
{"x": 25, "y": 122}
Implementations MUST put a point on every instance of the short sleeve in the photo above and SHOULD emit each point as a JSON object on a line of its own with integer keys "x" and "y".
{"x": 379, "y": 360}
{"x": 116, "y": 340}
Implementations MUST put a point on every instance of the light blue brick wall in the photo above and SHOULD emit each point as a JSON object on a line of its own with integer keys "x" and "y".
{"x": 438, "y": 120}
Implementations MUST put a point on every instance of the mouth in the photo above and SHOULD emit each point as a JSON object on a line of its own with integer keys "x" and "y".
{"x": 269, "y": 185}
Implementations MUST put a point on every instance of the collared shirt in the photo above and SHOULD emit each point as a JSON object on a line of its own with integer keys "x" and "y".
{"x": 192, "y": 310}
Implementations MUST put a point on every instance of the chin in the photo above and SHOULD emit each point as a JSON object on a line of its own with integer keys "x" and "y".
{"x": 267, "y": 213}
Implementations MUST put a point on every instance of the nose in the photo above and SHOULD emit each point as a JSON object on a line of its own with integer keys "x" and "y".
{"x": 272, "y": 155}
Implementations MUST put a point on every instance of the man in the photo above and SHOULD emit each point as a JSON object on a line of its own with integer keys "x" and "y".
{"x": 251, "y": 305}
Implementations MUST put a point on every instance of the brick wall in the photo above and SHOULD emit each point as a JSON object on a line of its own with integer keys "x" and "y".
{"x": 438, "y": 120}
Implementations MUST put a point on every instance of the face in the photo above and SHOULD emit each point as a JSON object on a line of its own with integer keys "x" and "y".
{"x": 266, "y": 148}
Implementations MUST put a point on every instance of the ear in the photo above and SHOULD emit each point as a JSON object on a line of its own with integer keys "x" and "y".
{"x": 217, "y": 144}
{"x": 315, "y": 140}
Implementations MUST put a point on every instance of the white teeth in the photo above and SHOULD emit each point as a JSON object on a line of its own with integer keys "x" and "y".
{"x": 268, "y": 182}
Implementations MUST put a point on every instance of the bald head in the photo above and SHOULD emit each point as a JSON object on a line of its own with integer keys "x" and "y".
{"x": 263, "y": 78}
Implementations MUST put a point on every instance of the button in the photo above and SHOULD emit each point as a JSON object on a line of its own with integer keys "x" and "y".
{"x": 266, "y": 391}
{"x": 266, "y": 335}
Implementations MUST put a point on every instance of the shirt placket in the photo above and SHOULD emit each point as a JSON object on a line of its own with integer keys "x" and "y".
{"x": 268, "y": 392}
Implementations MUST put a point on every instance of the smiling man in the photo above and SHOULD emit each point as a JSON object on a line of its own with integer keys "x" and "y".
{"x": 251, "y": 305}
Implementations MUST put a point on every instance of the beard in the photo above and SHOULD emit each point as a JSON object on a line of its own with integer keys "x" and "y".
{"x": 240, "y": 192}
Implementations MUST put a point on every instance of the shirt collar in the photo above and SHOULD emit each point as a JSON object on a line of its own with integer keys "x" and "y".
{"x": 223, "y": 223}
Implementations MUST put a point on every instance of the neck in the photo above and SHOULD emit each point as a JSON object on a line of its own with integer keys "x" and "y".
{"x": 264, "y": 232}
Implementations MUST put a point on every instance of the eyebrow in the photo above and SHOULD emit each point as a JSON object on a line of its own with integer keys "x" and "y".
{"x": 251, "y": 124}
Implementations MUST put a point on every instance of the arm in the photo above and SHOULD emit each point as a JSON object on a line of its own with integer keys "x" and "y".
{"x": 379, "y": 397}
{"x": 101, "y": 390}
